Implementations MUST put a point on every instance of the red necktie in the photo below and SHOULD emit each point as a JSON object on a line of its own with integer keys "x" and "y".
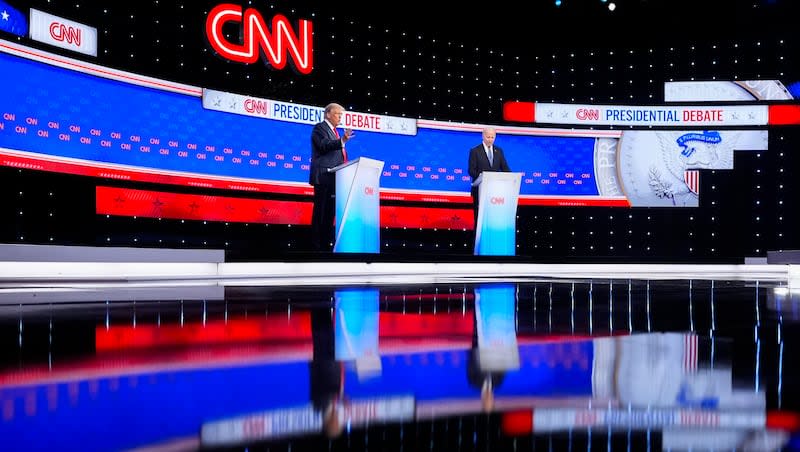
{"x": 344, "y": 153}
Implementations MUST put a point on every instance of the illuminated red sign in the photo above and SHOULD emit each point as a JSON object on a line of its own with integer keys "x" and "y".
{"x": 257, "y": 38}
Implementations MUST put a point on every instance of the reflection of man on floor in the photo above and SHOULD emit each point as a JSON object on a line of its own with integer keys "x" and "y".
{"x": 494, "y": 340}
{"x": 485, "y": 380}
{"x": 326, "y": 373}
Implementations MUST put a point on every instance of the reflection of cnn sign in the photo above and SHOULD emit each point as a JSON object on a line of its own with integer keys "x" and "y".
{"x": 257, "y": 39}
{"x": 497, "y": 200}
{"x": 369, "y": 191}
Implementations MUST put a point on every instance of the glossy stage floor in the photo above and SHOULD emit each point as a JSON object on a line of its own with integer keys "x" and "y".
{"x": 129, "y": 349}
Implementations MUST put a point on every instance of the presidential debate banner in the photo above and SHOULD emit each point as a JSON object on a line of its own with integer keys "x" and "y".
{"x": 303, "y": 114}
{"x": 664, "y": 116}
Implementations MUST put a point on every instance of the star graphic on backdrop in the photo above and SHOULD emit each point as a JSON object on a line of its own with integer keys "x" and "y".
{"x": 158, "y": 204}
{"x": 119, "y": 199}
{"x": 217, "y": 101}
{"x": 229, "y": 207}
{"x": 5, "y": 15}
{"x": 264, "y": 212}
{"x": 232, "y": 105}
{"x": 194, "y": 206}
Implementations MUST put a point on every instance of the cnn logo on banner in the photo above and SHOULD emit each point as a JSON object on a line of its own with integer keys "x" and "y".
{"x": 63, "y": 33}
{"x": 277, "y": 45}
{"x": 590, "y": 114}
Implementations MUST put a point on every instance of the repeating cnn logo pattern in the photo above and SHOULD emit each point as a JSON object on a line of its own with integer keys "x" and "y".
{"x": 64, "y": 33}
{"x": 257, "y": 38}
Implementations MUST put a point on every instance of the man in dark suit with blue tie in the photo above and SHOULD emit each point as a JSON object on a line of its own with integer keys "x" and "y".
{"x": 485, "y": 157}
{"x": 327, "y": 151}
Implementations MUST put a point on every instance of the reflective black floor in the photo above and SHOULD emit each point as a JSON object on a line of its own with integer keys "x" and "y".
{"x": 534, "y": 365}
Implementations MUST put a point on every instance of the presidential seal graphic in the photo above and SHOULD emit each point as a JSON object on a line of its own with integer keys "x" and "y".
{"x": 660, "y": 168}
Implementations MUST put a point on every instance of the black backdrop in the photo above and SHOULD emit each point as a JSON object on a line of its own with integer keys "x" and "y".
{"x": 455, "y": 63}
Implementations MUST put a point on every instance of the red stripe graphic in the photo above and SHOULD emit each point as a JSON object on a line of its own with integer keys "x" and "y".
{"x": 692, "y": 180}
{"x": 690, "y": 353}
{"x": 570, "y": 201}
{"x": 426, "y": 217}
{"x": 519, "y": 111}
{"x": 151, "y": 204}
{"x": 784, "y": 114}
{"x": 273, "y": 328}
{"x": 155, "y": 204}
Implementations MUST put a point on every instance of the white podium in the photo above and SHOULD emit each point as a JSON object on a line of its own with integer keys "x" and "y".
{"x": 358, "y": 206}
{"x": 496, "y": 228}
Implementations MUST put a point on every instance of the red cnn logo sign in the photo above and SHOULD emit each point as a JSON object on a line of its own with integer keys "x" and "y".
{"x": 61, "y": 32}
{"x": 275, "y": 44}
{"x": 369, "y": 191}
{"x": 497, "y": 200}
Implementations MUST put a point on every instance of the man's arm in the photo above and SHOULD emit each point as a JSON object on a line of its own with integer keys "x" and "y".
{"x": 473, "y": 164}
{"x": 322, "y": 140}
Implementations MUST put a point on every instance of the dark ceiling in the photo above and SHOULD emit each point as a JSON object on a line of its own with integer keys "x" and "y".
{"x": 540, "y": 23}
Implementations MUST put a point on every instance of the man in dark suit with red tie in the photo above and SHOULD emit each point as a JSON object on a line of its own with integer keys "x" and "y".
{"x": 485, "y": 157}
{"x": 327, "y": 151}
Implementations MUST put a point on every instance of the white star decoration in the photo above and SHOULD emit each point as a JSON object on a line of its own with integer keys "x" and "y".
{"x": 4, "y": 14}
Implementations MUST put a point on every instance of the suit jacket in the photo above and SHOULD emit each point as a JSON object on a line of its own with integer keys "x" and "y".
{"x": 326, "y": 153}
{"x": 479, "y": 162}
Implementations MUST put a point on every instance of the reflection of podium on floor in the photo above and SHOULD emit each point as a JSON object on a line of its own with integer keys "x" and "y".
{"x": 495, "y": 325}
{"x": 356, "y": 329}
{"x": 358, "y": 206}
{"x": 496, "y": 228}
